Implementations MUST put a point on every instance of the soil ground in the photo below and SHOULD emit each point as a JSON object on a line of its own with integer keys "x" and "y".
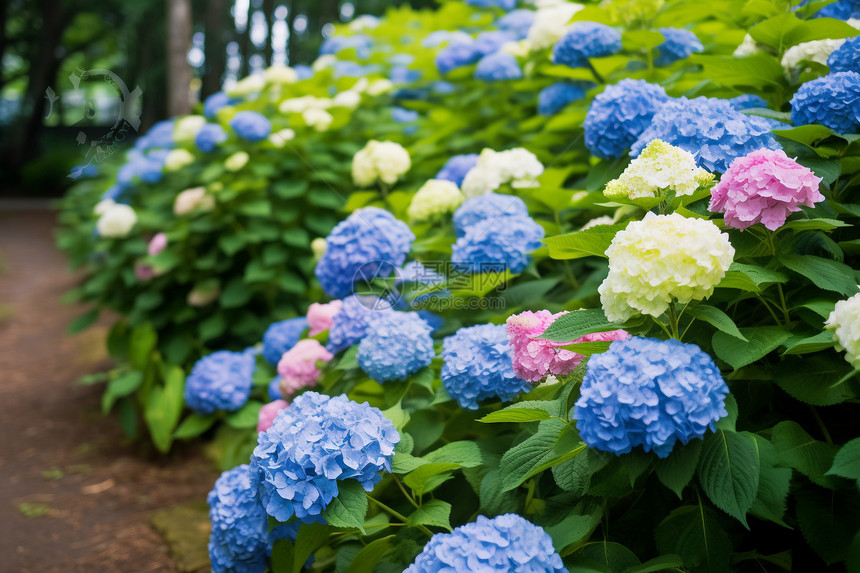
{"x": 75, "y": 495}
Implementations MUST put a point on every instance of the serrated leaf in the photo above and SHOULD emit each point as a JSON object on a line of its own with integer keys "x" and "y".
{"x": 578, "y": 525}
{"x": 773, "y": 484}
{"x": 463, "y": 453}
{"x": 493, "y": 500}
{"x": 311, "y": 536}
{"x": 365, "y": 561}
{"x": 588, "y": 348}
{"x": 349, "y": 508}
{"x": 435, "y": 512}
{"x": 522, "y": 415}
{"x": 421, "y": 479}
{"x": 826, "y": 388}
{"x": 824, "y": 273}
{"x": 815, "y": 225}
{"x": 676, "y": 471}
{"x": 800, "y": 451}
{"x": 525, "y": 456}
{"x": 576, "y": 324}
{"x": 815, "y": 343}
{"x": 246, "y": 416}
{"x": 847, "y": 461}
{"x": 694, "y": 534}
{"x": 760, "y": 342}
{"x": 716, "y": 318}
{"x": 590, "y": 242}
{"x": 574, "y": 475}
{"x": 728, "y": 470}
{"x": 828, "y": 520}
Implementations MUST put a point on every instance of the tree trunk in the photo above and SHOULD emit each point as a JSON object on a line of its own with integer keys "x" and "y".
{"x": 178, "y": 44}
{"x": 269, "y": 12}
{"x": 245, "y": 46}
{"x": 292, "y": 38}
{"x": 214, "y": 48}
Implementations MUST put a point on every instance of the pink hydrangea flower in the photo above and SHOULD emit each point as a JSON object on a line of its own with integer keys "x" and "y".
{"x": 321, "y": 315}
{"x": 267, "y": 414}
{"x": 764, "y": 186}
{"x": 156, "y": 244}
{"x": 298, "y": 365}
{"x": 144, "y": 272}
{"x": 534, "y": 358}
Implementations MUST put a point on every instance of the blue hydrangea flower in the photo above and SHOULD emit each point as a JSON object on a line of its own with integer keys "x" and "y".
{"x": 841, "y": 10}
{"x": 747, "y": 101}
{"x": 209, "y": 137}
{"x": 274, "y": 389}
{"x": 397, "y": 344}
{"x": 160, "y": 135}
{"x": 435, "y": 321}
{"x": 439, "y": 37}
{"x": 498, "y": 67}
{"x": 487, "y": 209}
{"x": 679, "y": 44}
{"x": 501, "y": 544}
{"x": 220, "y": 381}
{"x": 336, "y": 44}
{"x": 402, "y": 115}
{"x": 586, "y": 40}
{"x": 496, "y": 247}
{"x": 281, "y": 336}
{"x": 620, "y": 114}
{"x": 237, "y": 543}
{"x": 251, "y": 126}
{"x": 350, "y": 69}
{"x": 709, "y": 128}
{"x": 458, "y": 53}
{"x": 846, "y": 58}
{"x": 350, "y": 324}
{"x": 489, "y": 42}
{"x": 400, "y": 75}
{"x": 517, "y": 22}
{"x": 370, "y": 241}
{"x": 303, "y": 71}
{"x": 216, "y": 101}
{"x": 456, "y": 167}
{"x": 297, "y": 472}
{"x": 114, "y": 193}
{"x": 503, "y": 4}
{"x": 650, "y": 393}
{"x": 554, "y": 98}
{"x": 478, "y": 366}
{"x": 832, "y": 101}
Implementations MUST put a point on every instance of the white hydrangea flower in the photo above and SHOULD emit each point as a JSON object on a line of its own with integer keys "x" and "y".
{"x": 323, "y": 62}
{"x": 201, "y": 296}
{"x": 194, "y": 199}
{"x": 385, "y": 161}
{"x": 604, "y": 220}
{"x": 518, "y": 49}
{"x": 318, "y": 246}
{"x": 854, "y": 23}
{"x": 816, "y": 51}
{"x": 279, "y": 74}
{"x": 551, "y": 23}
{"x": 177, "y": 159}
{"x": 246, "y": 86}
{"x": 364, "y": 22}
{"x": 304, "y": 103}
{"x": 517, "y": 166}
{"x": 348, "y": 98}
{"x": 747, "y": 47}
{"x": 844, "y": 321}
{"x": 116, "y": 221}
{"x": 279, "y": 138}
{"x": 236, "y": 161}
{"x": 319, "y": 119}
{"x": 659, "y": 168}
{"x": 103, "y": 205}
{"x": 436, "y": 197}
{"x": 186, "y": 128}
{"x": 379, "y": 87}
{"x": 661, "y": 258}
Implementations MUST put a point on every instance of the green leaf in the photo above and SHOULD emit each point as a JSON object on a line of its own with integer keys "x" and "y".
{"x": 642, "y": 40}
{"x": 289, "y": 189}
{"x": 235, "y": 294}
{"x": 828, "y": 519}
{"x": 756, "y": 71}
{"x": 800, "y": 451}
{"x": 520, "y": 413}
{"x": 657, "y": 564}
{"x": 716, "y": 318}
{"x": 729, "y": 472}
{"x": 760, "y": 342}
{"x": 122, "y": 385}
{"x": 524, "y": 457}
{"x": 464, "y": 453}
{"x": 231, "y": 243}
{"x": 820, "y": 341}
{"x": 435, "y": 512}
{"x": 824, "y": 273}
{"x": 246, "y": 416}
{"x": 590, "y": 242}
{"x": 576, "y": 324}
{"x": 349, "y": 360}
{"x": 847, "y": 461}
{"x": 142, "y": 343}
{"x": 493, "y": 500}
{"x": 758, "y": 275}
{"x": 676, "y": 471}
{"x": 694, "y": 534}
{"x": 426, "y": 477}
{"x": 815, "y": 225}
{"x": 574, "y": 475}
{"x": 578, "y": 525}
{"x": 365, "y": 561}
{"x": 773, "y": 484}
{"x": 826, "y": 388}
{"x": 588, "y": 348}
{"x": 283, "y": 553}
{"x": 83, "y": 321}
{"x": 256, "y": 208}
{"x": 194, "y": 425}
{"x": 349, "y": 508}
{"x": 311, "y": 537}
{"x": 164, "y": 407}
{"x": 601, "y": 557}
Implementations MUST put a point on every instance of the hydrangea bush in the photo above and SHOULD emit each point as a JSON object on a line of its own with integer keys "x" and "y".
{"x": 592, "y": 272}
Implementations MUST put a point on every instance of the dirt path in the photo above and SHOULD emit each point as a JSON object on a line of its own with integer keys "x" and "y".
{"x": 74, "y": 495}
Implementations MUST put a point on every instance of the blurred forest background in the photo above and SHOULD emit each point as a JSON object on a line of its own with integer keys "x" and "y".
{"x": 64, "y": 63}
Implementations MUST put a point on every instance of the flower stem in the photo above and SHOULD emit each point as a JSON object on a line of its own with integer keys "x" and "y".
{"x": 399, "y": 516}
{"x": 597, "y": 75}
{"x": 673, "y": 320}
{"x": 405, "y": 493}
